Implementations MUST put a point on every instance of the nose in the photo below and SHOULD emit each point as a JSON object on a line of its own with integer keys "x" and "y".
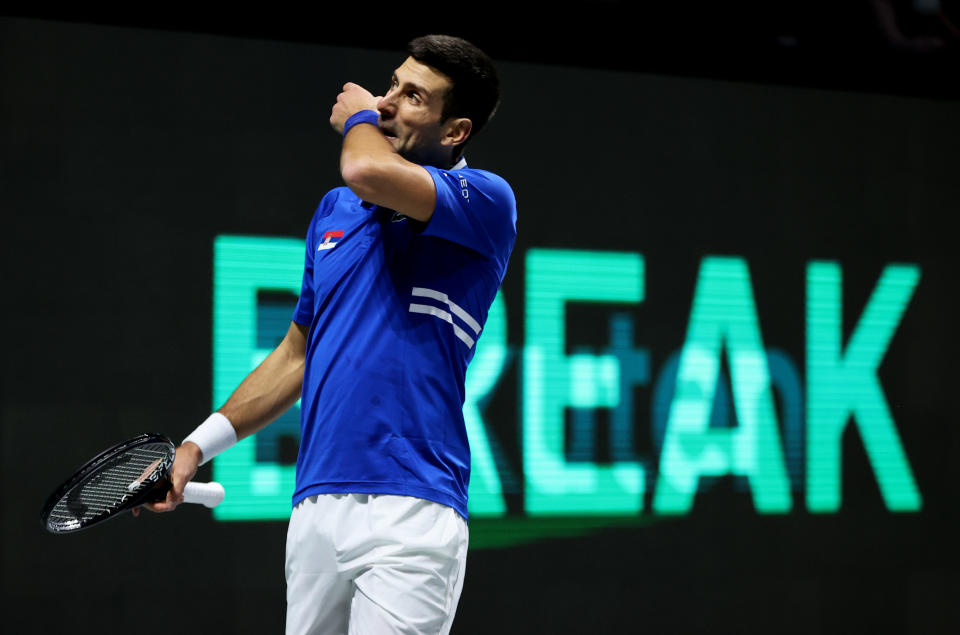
{"x": 386, "y": 105}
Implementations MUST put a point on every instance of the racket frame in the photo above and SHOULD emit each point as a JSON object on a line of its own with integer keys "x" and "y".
{"x": 153, "y": 488}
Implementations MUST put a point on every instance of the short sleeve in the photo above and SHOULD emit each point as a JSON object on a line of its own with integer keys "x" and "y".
{"x": 476, "y": 209}
{"x": 303, "y": 312}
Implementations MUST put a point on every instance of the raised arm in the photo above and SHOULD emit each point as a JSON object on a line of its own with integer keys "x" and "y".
{"x": 375, "y": 172}
{"x": 370, "y": 164}
{"x": 383, "y": 155}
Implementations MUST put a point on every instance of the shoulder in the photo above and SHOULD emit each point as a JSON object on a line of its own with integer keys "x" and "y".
{"x": 468, "y": 182}
{"x": 489, "y": 180}
{"x": 472, "y": 174}
{"x": 475, "y": 209}
{"x": 337, "y": 196}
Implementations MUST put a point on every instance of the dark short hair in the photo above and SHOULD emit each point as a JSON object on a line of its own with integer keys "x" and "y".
{"x": 475, "y": 93}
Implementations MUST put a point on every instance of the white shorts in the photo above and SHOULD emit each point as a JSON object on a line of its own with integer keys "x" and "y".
{"x": 372, "y": 563}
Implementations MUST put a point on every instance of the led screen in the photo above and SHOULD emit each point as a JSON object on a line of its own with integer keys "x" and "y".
{"x": 714, "y": 405}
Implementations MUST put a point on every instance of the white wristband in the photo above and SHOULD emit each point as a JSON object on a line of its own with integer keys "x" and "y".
{"x": 213, "y": 436}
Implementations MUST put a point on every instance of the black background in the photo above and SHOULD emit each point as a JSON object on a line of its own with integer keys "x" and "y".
{"x": 124, "y": 151}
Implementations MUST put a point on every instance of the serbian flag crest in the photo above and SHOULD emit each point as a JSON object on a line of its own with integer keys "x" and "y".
{"x": 330, "y": 240}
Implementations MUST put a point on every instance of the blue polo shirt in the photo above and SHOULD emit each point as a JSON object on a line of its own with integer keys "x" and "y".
{"x": 395, "y": 308}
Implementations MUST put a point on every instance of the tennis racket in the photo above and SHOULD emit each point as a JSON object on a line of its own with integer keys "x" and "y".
{"x": 121, "y": 478}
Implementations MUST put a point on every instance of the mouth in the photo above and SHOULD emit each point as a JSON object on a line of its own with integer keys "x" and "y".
{"x": 388, "y": 134}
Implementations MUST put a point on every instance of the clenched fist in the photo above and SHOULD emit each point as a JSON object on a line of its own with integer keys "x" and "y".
{"x": 352, "y": 100}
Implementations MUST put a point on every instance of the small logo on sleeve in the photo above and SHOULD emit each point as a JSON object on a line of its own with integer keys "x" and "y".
{"x": 330, "y": 240}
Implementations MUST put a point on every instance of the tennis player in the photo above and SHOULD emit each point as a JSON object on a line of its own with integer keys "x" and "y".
{"x": 401, "y": 268}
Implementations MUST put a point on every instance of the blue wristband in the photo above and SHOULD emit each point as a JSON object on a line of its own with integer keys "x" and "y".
{"x": 364, "y": 116}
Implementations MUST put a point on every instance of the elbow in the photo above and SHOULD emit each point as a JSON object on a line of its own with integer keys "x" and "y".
{"x": 359, "y": 174}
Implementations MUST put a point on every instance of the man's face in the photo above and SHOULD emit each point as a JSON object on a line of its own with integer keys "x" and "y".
{"x": 410, "y": 112}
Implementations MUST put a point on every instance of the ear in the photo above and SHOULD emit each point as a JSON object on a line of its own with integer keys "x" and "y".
{"x": 456, "y": 131}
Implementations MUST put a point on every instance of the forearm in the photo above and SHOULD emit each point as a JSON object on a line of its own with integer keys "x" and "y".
{"x": 263, "y": 396}
{"x": 365, "y": 157}
{"x": 266, "y": 393}
{"x": 374, "y": 171}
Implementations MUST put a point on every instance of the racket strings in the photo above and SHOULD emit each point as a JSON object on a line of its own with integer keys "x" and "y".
{"x": 110, "y": 486}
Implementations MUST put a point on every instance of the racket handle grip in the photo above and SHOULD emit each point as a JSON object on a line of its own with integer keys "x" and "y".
{"x": 209, "y": 494}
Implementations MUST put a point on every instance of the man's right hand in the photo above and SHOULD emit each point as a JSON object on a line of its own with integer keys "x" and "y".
{"x": 350, "y": 101}
{"x": 184, "y": 469}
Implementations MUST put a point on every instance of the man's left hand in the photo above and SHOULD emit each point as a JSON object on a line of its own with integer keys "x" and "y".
{"x": 352, "y": 100}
